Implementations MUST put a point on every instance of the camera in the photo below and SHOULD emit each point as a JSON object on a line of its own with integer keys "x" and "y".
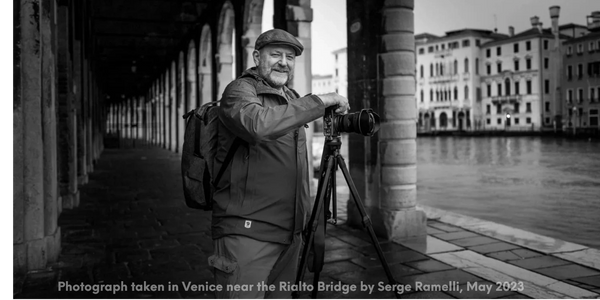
{"x": 365, "y": 122}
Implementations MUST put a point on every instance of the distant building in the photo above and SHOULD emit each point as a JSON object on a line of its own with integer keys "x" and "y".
{"x": 322, "y": 84}
{"x": 340, "y": 73}
{"x": 448, "y": 79}
{"x": 581, "y": 78}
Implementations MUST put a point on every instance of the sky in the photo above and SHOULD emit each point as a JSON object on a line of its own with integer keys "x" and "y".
{"x": 437, "y": 17}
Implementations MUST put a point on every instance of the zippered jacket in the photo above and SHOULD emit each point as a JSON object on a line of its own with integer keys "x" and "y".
{"x": 264, "y": 192}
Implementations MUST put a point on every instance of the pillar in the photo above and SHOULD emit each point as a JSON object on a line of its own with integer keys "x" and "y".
{"x": 81, "y": 125}
{"x": 174, "y": 110}
{"x": 384, "y": 166}
{"x": 165, "y": 107}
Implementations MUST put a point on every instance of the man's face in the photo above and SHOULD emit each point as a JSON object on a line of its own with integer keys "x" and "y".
{"x": 275, "y": 63}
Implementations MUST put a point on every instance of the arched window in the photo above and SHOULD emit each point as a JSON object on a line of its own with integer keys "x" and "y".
{"x": 507, "y": 86}
{"x": 431, "y": 70}
{"x": 455, "y": 93}
{"x": 477, "y": 66}
{"x": 430, "y": 95}
{"x": 437, "y": 95}
{"x": 455, "y": 67}
{"x": 437, "y": 69}
{"x": 422, "y": 96}
{"x": 421, "y": 71}
{"x": 466, "y": 92}
{"x": 466, "y": 65}
{"x": 443, "y": 120}
{"x": 441, "y": 69}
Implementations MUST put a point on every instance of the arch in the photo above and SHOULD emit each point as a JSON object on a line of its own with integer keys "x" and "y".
{"x": 507, "y": 86}
{"x": 205, "y": 72}
{"x": 190, "y": 77}
{"x": 461, "y": 120}
{"x": 252, "y": 29}
{"x": 443, "y": 120}
{"x": 225, "y": 56}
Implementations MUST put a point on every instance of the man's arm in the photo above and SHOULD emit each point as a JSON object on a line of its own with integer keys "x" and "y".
{"x": 243, "y": 113}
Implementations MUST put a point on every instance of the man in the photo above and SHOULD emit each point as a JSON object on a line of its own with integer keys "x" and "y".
{"x": 262, "y": 201}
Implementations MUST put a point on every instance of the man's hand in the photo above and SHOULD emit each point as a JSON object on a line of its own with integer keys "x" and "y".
{"x": 331, "y": 99}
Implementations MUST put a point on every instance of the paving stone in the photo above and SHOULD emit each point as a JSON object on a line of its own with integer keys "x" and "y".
{"x": 503, "y": 255}
{"x": 340, "y": 267}
{"x": 387, "y": 246}
{"x": 430, "y": 265}
{"x": 474, "y": 241}
{"x": 332, "y": 243}
{"x": 455, "y": 235}
{"x": 539, "y": 262}
{"x": 443, "y": 226}
{"x": 589, "y": 280}
{"x": 568, "y": 271}
{"x": 431, "y": 230}
{"x": 353, "y": 240}
{"x": 525, "y": 253}
{"x": 494, "y": 247}
{"x": 391, "y": 258}
{"x": 341, "y": 254}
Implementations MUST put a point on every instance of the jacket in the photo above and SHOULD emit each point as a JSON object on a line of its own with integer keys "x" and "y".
{"x": 264, "y": 192}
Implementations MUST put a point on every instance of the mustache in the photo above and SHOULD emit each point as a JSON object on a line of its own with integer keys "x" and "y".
{"x": 282, "y": 70}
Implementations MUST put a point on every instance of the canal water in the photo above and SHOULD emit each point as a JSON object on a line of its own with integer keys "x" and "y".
{"x": 548, "y": 186}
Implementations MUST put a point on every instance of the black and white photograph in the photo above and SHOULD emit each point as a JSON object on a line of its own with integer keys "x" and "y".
{"x": 250, "y": 149}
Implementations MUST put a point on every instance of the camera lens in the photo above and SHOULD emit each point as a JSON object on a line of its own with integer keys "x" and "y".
{"x": 364, "y": 122}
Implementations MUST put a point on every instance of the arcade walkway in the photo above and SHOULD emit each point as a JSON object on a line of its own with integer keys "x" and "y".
{"x": 133, "y": 227}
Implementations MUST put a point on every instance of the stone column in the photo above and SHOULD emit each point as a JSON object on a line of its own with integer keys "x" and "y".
{"x": 174, "y": 110}
{"x": 49, "y": 95}
{"x": 385, "y": 165}
{"x": 165, "y": 107}
{"x": 81, "y": 122}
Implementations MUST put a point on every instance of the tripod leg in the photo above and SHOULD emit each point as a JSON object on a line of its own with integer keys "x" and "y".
{"x": 313, "y": 223}
{"x": 366, "y": 220}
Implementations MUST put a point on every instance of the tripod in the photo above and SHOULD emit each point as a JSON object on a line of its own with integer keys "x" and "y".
{"x": 326, "y": 195}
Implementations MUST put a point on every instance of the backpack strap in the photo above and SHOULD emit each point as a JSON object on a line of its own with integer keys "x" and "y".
{"x": 197, "y": 137}
{"x": 228, "y": 158}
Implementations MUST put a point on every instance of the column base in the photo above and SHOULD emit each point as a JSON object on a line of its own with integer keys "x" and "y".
{"x": 36, "y": 254}
{"x": 390, "y": 225}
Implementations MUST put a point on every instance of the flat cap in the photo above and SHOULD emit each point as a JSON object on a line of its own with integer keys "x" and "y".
{"x": 278, "y": 37}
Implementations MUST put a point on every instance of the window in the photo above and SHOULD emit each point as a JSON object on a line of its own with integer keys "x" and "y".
{"x": 443, "y": 46}
{"x": 441, "y": 69}
{"x": 579, "y": 48}
{"x": 429, "y": 49}
{"x": 499, "y": 89}
{"x": 421, "y": 71}
{"x": 516, "y": 121}
{"x": 488, "y": 109}
{"x": 498, "y": 51}
{"x": 507, "y": 86}
{"x": 591, "y": 47}
{"x": 546, "y": 86}
{"x": 499, "y": 121}
{"x": 593, "y": 117}
{"x": 499, "y": 67}
{"x": 466, "y": 92}
{"x": 569, "y": 50}
{"x": 437, "y": 95}
{"x": 489, "y": 90}
{"x": 477, "y": 42}
{"x": 528, "y": 87}
{"x": 569, "y": 96}
{"x": 488, "y": 52}
{"x": 528, "y": 120}
{"x": 528, "y": 45}
{"x": 421, "y": 50}
{"x": 422, "y": 96}
{"x": 430, "y": 70}
{"x": 437, "y": 47}
{"x": 516, "y": 47}
{"x": 546, "y": 62}
{"x": 489, "y": 69}
{"x": 517, "y": 88}
{"x": 579, "y": 95}
{"x": 498, "y": 109}
{"x": 437, "y": 69}
{"x": 579, "y": 71}
{"x": 516, "y": 65}
{"x": 488, "y": 121}
{"x": 592, "y": 96}
{"x": 528, "y": 63}
{"x": 455, "y": 93}
{"x": 517, "y": 107}
{"x": 455, "y": 67}
{"x": 528, "y": 107}
{"x": 466, "y": 43}
{"x": 336, "y": 72}
{"x": 430, "y": 95}
{"x": 477, "y": 66}
{"x": 547, "y": 106}
{"x": 547, "y": 120}
{"x": 466, "y": 65}
{"x": 545, "y": 44}
{"x": 569, "y": 72}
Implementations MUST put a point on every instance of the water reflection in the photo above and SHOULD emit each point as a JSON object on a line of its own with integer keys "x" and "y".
{"x": 546, "y": 186}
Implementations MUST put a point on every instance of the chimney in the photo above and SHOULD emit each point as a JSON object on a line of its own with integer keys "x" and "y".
{"x": 534, "y": 21}
{"x": 511, "y": 31}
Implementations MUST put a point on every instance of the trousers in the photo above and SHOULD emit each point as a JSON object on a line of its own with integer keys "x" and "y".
{"x": 246, "y": 268}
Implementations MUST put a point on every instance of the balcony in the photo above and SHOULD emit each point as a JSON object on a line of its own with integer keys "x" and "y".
{"x": 506, "y": 99}
{"x": 444, "y": 78}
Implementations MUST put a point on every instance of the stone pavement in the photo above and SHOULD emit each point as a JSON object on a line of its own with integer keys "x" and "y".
{"x": 133, "y": 230}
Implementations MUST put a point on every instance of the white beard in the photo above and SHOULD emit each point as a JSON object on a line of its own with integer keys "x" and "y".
{"x": 278, "y": 79}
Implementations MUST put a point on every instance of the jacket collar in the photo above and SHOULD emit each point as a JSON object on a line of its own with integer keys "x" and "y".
{"x": 263, "y": 87}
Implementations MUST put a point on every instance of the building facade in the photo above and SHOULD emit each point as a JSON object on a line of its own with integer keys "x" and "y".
{"x": 340, "y": 71}
{"x": 448, "y": 79}
{"x": 581, "y": 80}
{"x": 322, "y": 84}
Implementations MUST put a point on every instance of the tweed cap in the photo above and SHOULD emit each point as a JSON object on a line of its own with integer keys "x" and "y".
{"x": 278, "y": 37}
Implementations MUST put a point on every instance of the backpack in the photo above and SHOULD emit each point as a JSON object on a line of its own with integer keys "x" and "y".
{"x": 200, "y": 145}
